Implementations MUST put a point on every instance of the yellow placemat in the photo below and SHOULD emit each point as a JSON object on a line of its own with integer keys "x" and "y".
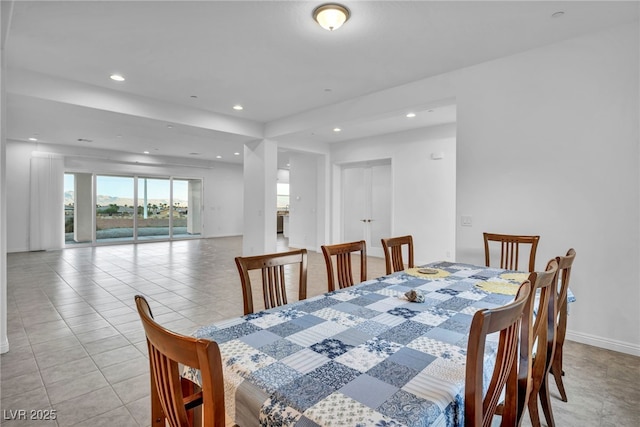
{"x": 496, "y": 287}
{"x": 440, "y": 273}
{"x": 516, "y": 277}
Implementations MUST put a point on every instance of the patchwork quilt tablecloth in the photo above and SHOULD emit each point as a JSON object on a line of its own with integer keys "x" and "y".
{"x": 360, "y": 356}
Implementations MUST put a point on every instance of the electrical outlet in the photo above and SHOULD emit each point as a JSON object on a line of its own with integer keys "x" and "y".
{"x": 465, "y": 220}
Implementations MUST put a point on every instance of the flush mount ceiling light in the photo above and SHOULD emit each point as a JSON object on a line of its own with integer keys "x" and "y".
{"x": 331, "y": 16}
{"x": 117, "y": 77}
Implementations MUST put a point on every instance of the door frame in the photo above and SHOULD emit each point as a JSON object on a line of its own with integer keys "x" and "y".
{"x": 337, "y": 204}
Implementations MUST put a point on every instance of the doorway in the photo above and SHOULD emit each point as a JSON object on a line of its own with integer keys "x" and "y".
{"x": 366, "y": 203}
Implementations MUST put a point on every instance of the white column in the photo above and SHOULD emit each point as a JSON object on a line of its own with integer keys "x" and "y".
{"x": 194, "y": 215}
{"x": 260, "y": 213}
{"x": 83, "y": 207}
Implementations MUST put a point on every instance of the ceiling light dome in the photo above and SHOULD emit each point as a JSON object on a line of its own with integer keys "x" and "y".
{"x": 331, "y": 16}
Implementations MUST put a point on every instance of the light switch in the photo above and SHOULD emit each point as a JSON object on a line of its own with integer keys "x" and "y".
{"x": 465, "y": 220}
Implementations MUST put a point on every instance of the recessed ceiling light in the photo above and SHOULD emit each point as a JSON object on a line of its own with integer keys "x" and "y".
{"x": 236, "y": 154}
{"x": 170, "y": 126}
{"x": 558, "y": 14}
{"x": 218, "y": 157}
{"x": 33, "y": 139}
{"x": 145, "y": 152}
{"x": 117, "y": 77}
{"x": 337, "y": 129}
{"x": 84, "y": 140}
{"x": 194, "y": 154}
{"x": 238, "y": 107}
{"x": 194, "y": 96}
{"x": 430, "y": 111}
{"x": 411, "y": 115}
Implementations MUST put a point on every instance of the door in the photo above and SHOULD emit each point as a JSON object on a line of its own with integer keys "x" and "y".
{"x": 153, "y": 220}
{"x": 366, "y": 204}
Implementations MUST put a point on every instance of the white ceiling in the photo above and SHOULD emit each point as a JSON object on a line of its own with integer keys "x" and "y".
{"x": 269, "y": 56}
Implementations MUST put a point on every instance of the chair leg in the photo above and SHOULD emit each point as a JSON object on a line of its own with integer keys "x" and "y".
{"x": 545, "y": 400}
{"x": 533, "y": 410}
{"x": 557, "y": 372}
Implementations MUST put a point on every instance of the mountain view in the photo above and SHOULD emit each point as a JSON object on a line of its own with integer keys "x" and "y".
{"x": 102, "y": 200}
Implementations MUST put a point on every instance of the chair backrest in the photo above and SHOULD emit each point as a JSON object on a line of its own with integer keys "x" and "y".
{"x": 535, "y": 334}
{"x": 393, "y": 252}
{"x": 480, "y": 408}
{"x": 564, "y": 275}
{"x": 167, "y": 349}
{"x": 343, "y": 270}
{"x": 510, "y": 249}
{"x": 273, "y": 265}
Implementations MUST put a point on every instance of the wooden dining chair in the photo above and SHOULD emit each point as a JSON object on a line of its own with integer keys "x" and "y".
{"x": 393, "y": 247}
{"x": 274, "y": 292}
{"x": 343, "y": 266}
{"x": 480, "y": 408}
{"x": 564, "y": 274}
{"x": 172, "y": 397}
{"x": 535, "y": 335}
{"x": 510, "y": 249}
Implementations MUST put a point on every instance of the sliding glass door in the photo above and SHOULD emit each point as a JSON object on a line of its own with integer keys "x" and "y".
{"x": 131, "y": 208}
{"x": 114, "y": 208}
{"x": 154, "y": 208}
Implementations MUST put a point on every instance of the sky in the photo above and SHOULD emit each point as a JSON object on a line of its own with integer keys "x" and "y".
{"x": 122, "y": 187}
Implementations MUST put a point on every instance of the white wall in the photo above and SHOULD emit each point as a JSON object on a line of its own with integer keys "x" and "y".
{"x": 303, "y": 205}
{"x": 548, "y": 144}
{"x": 423, "y": 190}
{"x": 4, "y": 341}
{"x": 222, "y": 184}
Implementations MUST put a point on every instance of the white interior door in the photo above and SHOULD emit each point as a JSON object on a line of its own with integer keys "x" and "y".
{"x": 366, "y": 204}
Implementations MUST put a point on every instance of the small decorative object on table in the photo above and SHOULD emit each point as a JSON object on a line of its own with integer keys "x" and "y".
{"x": 414, "y": 295}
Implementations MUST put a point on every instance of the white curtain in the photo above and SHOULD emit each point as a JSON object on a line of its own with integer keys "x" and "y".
{"x": 46, "y": 213}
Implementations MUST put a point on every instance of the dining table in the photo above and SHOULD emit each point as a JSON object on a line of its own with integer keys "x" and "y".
{"x": 390, "y": 351}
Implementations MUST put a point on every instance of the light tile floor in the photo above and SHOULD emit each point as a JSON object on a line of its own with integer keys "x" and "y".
{"x": 77, "y": 346}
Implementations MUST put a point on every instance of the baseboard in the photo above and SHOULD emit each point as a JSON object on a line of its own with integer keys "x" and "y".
{"x": 4, "y": 346}
{"x": 302, "y": 246}
{"x": 17, "y": 250}
{"x": 609, "y": 344}
{"x": 215, "y": 236}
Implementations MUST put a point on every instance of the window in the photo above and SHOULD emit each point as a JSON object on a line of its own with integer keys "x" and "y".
{"x": 282, "y": 193}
